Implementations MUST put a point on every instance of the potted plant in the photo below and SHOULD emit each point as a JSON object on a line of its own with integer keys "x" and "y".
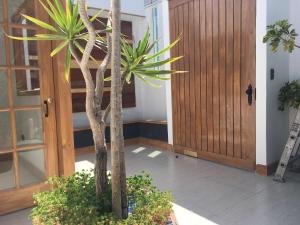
{"x": 71, "y": 200}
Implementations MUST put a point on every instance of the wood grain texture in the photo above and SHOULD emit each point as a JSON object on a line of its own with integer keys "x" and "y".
{"x": 182, "y": 77}
{"x": 209, "y": 73}
{"x": 222, "y": 72}
{"x": 203, "y": 75}
{"x": 216, "y": 83}
{"x": 248, "y": 66}
{"x": 192, "y": 76}
{"x": 211, "y": 114}
{"x": 186, "y": 59}
{"x": 237, "y": 80}
{"x": 197, "y": 49}
{"x": 229, "y": 76}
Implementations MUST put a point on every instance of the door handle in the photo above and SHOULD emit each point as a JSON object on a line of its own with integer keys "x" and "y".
{"x": 46, "y": 107}
{"x": 249, "y": 93}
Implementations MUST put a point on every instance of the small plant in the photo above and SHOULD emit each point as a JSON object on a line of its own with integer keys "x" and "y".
{"x": 281, "y": 32}
{"x": 289, "y": 95}
{"x": 71, "y": 201}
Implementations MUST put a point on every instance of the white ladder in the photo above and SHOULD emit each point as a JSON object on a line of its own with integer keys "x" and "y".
{"x": 288, "y": 154}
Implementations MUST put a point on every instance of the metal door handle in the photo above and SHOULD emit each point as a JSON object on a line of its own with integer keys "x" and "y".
{"x": 249, "y": 92}
{"x": 46, "y": 106}
{"x": 46, "y": 109}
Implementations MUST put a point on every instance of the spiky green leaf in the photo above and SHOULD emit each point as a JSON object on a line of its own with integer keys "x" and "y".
{"x": 161, "y": 52}
{"x": 40, "y": 23}
{"x": 59, "y": 48}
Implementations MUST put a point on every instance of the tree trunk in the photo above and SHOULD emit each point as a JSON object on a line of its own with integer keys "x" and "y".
{"x": 119, "y": 198}
{"x": 100, "y": 170}
{"x": 97, "y": 127}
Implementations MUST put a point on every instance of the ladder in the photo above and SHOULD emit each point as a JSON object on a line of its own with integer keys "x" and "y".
{"x": 289, "y": 155}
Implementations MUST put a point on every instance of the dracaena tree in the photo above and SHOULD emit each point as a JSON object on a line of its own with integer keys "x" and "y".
{"x": 73, "y": 30}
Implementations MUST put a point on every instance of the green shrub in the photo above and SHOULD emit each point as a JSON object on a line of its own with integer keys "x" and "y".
{"x": 289, "y": 95}
{"x": 72, "y": 201}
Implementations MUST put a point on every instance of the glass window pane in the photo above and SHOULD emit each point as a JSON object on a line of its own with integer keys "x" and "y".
{"x": 18, "y": 7}
{"x": 2, "y": 48}
{"x": 7, "y": 177}
{"x": 3, "y": 88}
{"x": 26, "y": 87}
{"x": 29, "y": 127}
{"x": 31, "y": 166}
{"x": 5, "y": 131}
{"x": 23, "y": 53}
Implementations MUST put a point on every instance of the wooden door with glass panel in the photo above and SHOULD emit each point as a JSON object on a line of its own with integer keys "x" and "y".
{"x": 27, "y": 114}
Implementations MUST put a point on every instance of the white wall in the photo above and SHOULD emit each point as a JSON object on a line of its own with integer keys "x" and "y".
{"x": 154, "y": 99}
{"x": 277, "y": 122}
{"x": 294, "y": 66}
{"x": 134, "y": 7}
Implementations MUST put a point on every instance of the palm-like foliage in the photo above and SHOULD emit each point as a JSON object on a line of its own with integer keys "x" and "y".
{"x": 139, "y": 62}
{"x": 68, "y": 29}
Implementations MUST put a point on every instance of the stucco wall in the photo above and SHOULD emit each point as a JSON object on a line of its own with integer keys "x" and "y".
{"x": 294, "y": 66}
{"x": 261, "y": 84}
{"x": 277, "y": 122}
{"x": 134, "y": 7}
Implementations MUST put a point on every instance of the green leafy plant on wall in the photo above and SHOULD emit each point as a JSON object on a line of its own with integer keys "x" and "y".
{"x": 289, "y": 95}
{"x": 282, "y": 33}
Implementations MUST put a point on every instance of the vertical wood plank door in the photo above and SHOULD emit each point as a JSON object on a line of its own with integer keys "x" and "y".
{"x": 213, "y": 116}
{"x": 28, "y": 142}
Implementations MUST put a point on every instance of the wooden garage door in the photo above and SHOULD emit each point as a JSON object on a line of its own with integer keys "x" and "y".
{"x": 213, "y": 117}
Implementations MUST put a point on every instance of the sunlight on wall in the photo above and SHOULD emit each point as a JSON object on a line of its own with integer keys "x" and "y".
{"x": 187, "y": 217}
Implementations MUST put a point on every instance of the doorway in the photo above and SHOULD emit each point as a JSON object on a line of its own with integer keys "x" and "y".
{"x": 214, "y": 101}
{"x": 28, "y": 145}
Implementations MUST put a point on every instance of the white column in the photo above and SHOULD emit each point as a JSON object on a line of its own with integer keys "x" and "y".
{"x": 166, "y": 41}
{"x": 261, "y": 84}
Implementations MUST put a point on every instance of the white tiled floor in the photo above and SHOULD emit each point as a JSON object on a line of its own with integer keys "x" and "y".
{"x": 207, "y": 193}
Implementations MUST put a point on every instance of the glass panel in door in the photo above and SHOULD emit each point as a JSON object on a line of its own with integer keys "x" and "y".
{"x": 27, "y": 137}
{"x": 22, "y": 122}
